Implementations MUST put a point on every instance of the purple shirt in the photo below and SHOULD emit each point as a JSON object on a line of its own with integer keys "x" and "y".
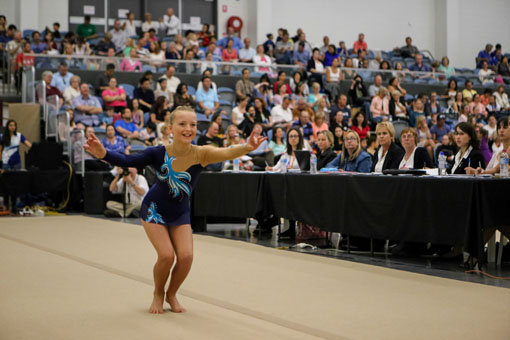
{"x": 84, "y": 117}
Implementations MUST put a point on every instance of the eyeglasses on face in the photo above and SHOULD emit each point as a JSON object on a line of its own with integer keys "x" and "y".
{"x": 293, "y": 136}
{"x": 350, "y": 139}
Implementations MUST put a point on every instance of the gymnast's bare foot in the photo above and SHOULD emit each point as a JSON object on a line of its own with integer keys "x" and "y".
{"x": 174, "y": 304}
{"x": 157, "y": 304}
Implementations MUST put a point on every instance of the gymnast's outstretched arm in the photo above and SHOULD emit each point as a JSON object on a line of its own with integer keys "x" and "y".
{"x": 211, "y": 154}
{"x": 96, "y": 149}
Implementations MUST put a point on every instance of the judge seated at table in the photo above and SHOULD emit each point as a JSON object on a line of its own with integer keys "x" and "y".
{"x": 389, "y": 154}
{"x": 415, "y": 157}
{"x": 469, "y": 154}
{"x": 352, "y": 158}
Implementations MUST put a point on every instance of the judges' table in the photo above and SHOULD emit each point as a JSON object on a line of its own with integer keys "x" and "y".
{"x": 442, "y": 210}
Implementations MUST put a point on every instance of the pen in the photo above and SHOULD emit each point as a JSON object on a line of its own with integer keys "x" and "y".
{"x": 469, "y": 162}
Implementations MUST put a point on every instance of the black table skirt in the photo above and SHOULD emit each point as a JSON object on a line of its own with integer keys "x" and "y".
{"x": 16, "y": 183}
{"x": 448, "y": 210}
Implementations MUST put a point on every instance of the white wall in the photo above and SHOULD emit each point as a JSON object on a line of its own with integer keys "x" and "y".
{"x": 36, "y": 14}
{"x": 239, "y": 8}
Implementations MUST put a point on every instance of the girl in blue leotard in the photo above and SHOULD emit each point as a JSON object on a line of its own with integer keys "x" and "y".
{"x": 165, "y": 211}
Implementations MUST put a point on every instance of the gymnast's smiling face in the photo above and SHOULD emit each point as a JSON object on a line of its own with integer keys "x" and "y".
{"x": 183, "y": 125}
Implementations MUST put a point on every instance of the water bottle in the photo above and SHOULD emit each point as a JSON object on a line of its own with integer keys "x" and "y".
{"x": 313, "y": 164}
{"x": 503, "y": 164}
{"x": 442, "y": 164}
{"x": 285, "y": 161}
{"x": 236, "y": 164}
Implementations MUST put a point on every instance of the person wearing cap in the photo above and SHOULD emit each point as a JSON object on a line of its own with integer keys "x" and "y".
{"x": 440, "y": 129}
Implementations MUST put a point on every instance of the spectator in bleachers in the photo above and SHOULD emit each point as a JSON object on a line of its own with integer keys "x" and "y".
{"x": 182, "y": 97}
{"x": 486, "y": 97}
{"x": 171, "y": 23}
{"x": 133, "y": 186}
{"x": 7, "y": 35}
{"x": 486, "y": 75}
{"x": 352, "y": 158}
{"x": 432, "y": 106}
{"x": 37, "y": 45}
{"x": 156, "y": 55}
{"x": 374, "y": 88}
{"x": 103, "y": 79}
{"x": 172, "y": 52}
{"x": 342, "y": 107}
{"x": 51, "y": 90}
{"x": 210, "y": 139}
{"x": 281, "y": 80}
{"x": 297, "y": 78}
{"x": 145, "y": 95}
{"x": 491, "y": 126}
{"x": 261, "y": 59}
{"x": 22, "y": 60}
{"x": 409, "y": 50}
{"x": 81, "y": 48}
{"x": 301, "y": 56}
{"x": 379, "y": 107}
{"x": 86, "y": 107}
{"x": 284, "y": 49}
{"x": 338, "y": 137}
{"x": 315, "y": 67}
{"x": 502, "y": 98}
{"x": 209, "y": 64}
{"x": 315, "y": 96}
{"x": 164, "y": 91}
{"x": 469, "y": 154}
{"x": 190, "y": 67}
{"x": 247, "y": 122}
{"x": 137, "y": 114}
{"x": 269, "y": 45}
{"x": 87, "y": 30}
{"x": 246, "y": 53}
{"x": 302, "y": 39}
{"x": 483, "y": 137}
{"x": 110, "y": 59}
{"x": 445, "y": 68}
{"x": 277, "y": 143}
{"x": 360, "y": 44}
{"x": 298, "y": 95}
{"x": 319, "y": 124}
{"x": 72, "y": 90}
{"x": 358, "y": 92}
{"x": 419, "y": 66}
{"x": 363, "y": 70}
{"x": 282, "y": 114}
{"x": 229, "y": 53}
{"x": 239, "y": 112}
{"x": 244, "y": 86}
{"x": 115, "y": 142}
{"x": 150, "y": 36}
{"x": 304, "y": 124}
{"x": 62, "y": 78}
{"x": 237, "y": 43}
{"x": 389, "y": 154}
{"x": 118, "y": 36}
{"x": 106, "y": 117}
{"x": 450, "y": 92}
{"x": 360, "y": 125}
{"x": 141, "y": 50}
{"x": 439, "y": 129}
{"x": 417, "y": 109}
{"x": 114, "y": 96}
{"x": 3, "y": 25}
{"x": 477, "y": 109}
{"x": 131, "y": 64}
{"x": 148, "y": 134}
{"x": 207, "y": 73}
{"x": 504, "y": 69}
{"x": 9, "y": 146}
{"x": 342, "y": 49}
{"x": 385, "y": 66}
{"x": 207, "y": 98}
{"x": 172, "y": 80}
{"x": 128, "y": 26}
{"x": 324, "y": 48}
{"x": 398, "y": 110}
{"x": 468, "y": 93}
{"x": 148, "y": 23}
{"x": 205, "y": 35}
{"x": 348, "y": 74}
{"x": 326, "y": 154}
{"x": 15, "y": 45}
{"x": 458, "y": 104}
{"x": 159, "y": 110}
{"x": 263, "y": 89}
{"x": 330, "y": 55}
{"x": 105, "y": 44}
{"x": 164, "y": 135}
{"x": 55, "y": 32}
{"x": 262, "y": 115}
{"x": 484, "y": 55}
{"x": 126, "y": 127}
{"x": 282, "y": 92}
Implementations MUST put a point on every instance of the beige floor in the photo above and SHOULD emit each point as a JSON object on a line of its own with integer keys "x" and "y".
{"x": 84, "y": 278}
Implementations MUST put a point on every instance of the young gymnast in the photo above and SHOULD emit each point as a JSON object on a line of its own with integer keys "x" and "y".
{"x": 165, "y": 211}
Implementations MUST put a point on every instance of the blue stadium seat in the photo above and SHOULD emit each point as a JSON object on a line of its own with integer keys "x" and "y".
{"x": 129, "y": 89}
{"x": 146, "y": 68}
{"x": 137, "y": 148}
{"x": 146, "y": 117}
{"x": 28, "y": 33}
{"x": 191, "y": 90}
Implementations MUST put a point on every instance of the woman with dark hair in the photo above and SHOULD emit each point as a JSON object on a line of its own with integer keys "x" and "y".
{"x": 262, "y": 115}
{"x": 415, "y": 157}
{"x": 280, "y": 81}
{"x": 394, "y": 85}
{"x": 353, "y": 157}
{"x": 446, "y": 68}
{"x": 333, "y": 78}
{"x": 315, "y": 67}
{"x": 205, "y": 35}
{"x": 114, "y": 142}
{"x": 298, "y": 78}
{"x": 182, "y": 97}
{"x": 385, "y": 65}
{"x": 277, "y": 143}
{"x": 159, "y": 109}
{"x": 357, "y": 92}
{"x": 469, "y": 154}
{"x": 338, "y": 138}
{"x": 348, "y": 74}
{"x": 263, "y": 90}
{"x": 450, "y": 92}
{"x": 9, "y": 147}
{"x": 216, "y": 117}
{"x": 295, "y": 142}
{"x": 360, "y": 125}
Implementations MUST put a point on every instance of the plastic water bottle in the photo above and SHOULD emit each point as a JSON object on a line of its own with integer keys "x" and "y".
{"x": 285, "y": 162}
{"x": 442, "y": 164}
{"x": 313, "y": 164}
{"x": 236, "y": 164}
{"x": 503, "y": 164}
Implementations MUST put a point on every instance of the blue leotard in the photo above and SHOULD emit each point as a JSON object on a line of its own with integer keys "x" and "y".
{"x": 168, "y": 200}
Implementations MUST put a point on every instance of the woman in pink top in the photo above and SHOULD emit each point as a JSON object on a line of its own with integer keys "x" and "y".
{"x": 229, "y": 53}
{"x": 114, "y": 96}
{"x": 477, "y": 108}
{"x": 319, "y": 124}
{"x": 380, "y": 106}
{"x": 131, "y": 64}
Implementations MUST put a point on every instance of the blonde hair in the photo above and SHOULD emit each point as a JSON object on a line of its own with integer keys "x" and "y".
{"x": 419, "y": 121}
{"x": 316, "y": 85}
{"x": 328, "y": 135}
{"x": 230, "y": 140}
{"x": 382, "y": 90}
{"x": 163, "y": 128}
{"x": 356, "y": 153}
{"x": 179, "y": 109}
{"x": 388, "y": 126}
